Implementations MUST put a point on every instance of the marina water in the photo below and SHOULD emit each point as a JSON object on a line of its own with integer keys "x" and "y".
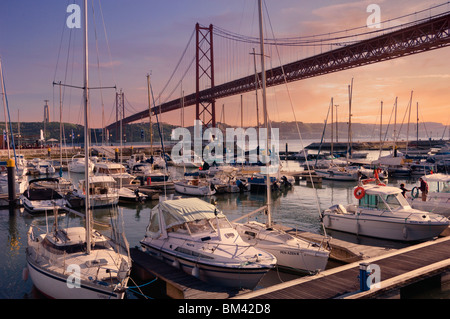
{"x": 298, "y": 208}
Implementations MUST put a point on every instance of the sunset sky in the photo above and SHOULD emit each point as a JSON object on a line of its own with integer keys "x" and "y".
{"x": 145, "y": 36}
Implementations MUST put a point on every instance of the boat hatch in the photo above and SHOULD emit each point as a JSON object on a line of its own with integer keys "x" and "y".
{"x": 250, "y": 233}
{"x": 96, "y": 262}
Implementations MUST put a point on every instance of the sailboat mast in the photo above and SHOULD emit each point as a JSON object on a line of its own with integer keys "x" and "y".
{"x": 266, "y": 122}
{"x": 86, "y": 131}
{"x": 4, "y": 106}
{"x": 150, "y": 114}
{"x": 60, "y": 132}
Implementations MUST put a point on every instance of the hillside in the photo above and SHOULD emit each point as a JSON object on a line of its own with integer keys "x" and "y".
{"x": 139, "y": 132}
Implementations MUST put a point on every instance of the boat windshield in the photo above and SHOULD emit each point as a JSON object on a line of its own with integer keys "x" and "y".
{"x": 395, "y": 201}
{"x": 442, "y": 187}
{"x": 383, "y": 202}
{"x": 200, "y": 226}
{"x": 223, "y": 223}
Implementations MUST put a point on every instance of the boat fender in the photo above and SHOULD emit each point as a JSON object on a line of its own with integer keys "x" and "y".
{"x": 415, "y": 192}
{"x": 25, "y": 273}
{"x": 359, "y": 192}
{"x": 196, "y": 271}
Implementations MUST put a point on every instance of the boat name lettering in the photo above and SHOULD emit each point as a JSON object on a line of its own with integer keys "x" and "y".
{"x": 288, "y": 252}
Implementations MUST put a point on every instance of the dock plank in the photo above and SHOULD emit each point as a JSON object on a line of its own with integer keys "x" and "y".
{"x": 180, "y": 284}
{"x": 430, "y": 257}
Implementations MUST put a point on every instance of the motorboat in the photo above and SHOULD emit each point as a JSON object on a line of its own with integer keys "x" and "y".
{"x": 193, "y": 235}
{"x": 42, "y": 167}
{"x": 383, "y": 212}
{"x": 152, "y": 178}
{"x": 227, "y": 182}
{"x": 42, "y": 195}
{"x": 102, "y": 191}
{"x": 438, "y": 197}
{"x": 115, "y": 170}
{"x": 337, "y": 173}
{"x": 127, "y": 195}
{"x": 21, "y": 184}
{"x": 194, "y": 187}
{"x": 293, "y": 253}
{"x": 77, "y": 164}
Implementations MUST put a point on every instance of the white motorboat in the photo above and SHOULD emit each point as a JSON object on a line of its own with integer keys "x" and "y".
{"x": 347, "y": 173}
{"x": 128, "y": 195}
{"x": 42, "y": 167}
{"x": 194, "y": 187}
{"x": 383, "y": 212}
{"x": 43, "y": 195}
{"x": 194, "y": 236}
{"x": 438, "y": 197}
{"x": 21, "y": 184}
{"x": 226, "y": 182}
{"x": 102, "y": 191}
{"x": 76, "y": 165}
{"x": 79, "y": 262}
{"x": 115, "y": 170}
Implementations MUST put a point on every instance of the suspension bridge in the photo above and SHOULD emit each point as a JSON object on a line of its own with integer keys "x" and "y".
{"x": 407, "y": 39}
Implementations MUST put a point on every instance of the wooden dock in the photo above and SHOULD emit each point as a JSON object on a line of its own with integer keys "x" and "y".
{"x": 179, "y": 285}
{"x": 398, "y": 270}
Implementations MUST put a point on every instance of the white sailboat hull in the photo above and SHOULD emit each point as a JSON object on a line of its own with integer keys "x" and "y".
{"x": 55, "y": 286}
{"x": 292, "y": 253}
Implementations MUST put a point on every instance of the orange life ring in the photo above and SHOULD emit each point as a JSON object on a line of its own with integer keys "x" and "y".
{"x": 359, "y": 192}
{"x": 381, "y": 184}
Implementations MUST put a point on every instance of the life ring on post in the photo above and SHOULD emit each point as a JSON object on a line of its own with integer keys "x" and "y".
{"x": 415, "y": 192}
{"x": 359, "y": 192}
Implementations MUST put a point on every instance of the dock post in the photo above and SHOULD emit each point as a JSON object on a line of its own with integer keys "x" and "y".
{"x": 363, "y": 275}
{"x": 11, "y": 169}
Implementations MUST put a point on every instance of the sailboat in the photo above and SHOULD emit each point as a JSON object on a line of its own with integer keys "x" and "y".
{"x": 78, "y": 262}
{"x": 291, "y": 252}
{"x": 334, "y": 172}
{"x": 20, "y": 181}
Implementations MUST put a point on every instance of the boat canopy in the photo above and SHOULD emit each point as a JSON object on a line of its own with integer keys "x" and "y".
{"x": 180, "y": 211}
{"x": 439, "y": 177}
